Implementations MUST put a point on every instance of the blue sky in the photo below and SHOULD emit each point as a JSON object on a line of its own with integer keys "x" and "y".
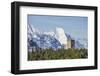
{"x": 76, "y": 26}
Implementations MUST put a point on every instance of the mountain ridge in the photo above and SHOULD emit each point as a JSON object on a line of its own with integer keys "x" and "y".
{"x": 44, "y": 40}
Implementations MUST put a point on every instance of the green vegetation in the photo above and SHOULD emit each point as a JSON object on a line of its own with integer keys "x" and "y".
{"x": 49, "y": 54}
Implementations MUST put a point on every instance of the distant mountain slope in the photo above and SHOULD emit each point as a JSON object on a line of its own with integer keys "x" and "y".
{"x": 44, "y": 40}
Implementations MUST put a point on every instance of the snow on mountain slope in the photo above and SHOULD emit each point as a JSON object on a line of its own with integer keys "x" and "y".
{"x": 54, "y": 40}
{"x": 42, "y": 40}
{"x": 49, "y": 33}
{"x": 84, "y": 42}
{"x": 61, "y": 36}
{"x": 78, "y": 45}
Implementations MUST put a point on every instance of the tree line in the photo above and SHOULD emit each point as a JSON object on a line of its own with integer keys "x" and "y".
{"x": 50, "y": 54}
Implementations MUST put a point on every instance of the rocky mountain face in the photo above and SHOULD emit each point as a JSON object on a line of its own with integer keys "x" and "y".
{"x": 44, "y": 40}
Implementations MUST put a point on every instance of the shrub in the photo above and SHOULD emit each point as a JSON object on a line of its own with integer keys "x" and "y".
{"x": 49, "y": 54}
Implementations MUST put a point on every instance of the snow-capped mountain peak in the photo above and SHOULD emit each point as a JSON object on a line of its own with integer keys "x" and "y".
{"x": 60, "y": 35}
{"x": 49, "y": 33}
{"x": 54, "y": 40}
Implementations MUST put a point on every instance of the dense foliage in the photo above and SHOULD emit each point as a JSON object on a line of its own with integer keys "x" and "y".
{"x": 49, "y": 54}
